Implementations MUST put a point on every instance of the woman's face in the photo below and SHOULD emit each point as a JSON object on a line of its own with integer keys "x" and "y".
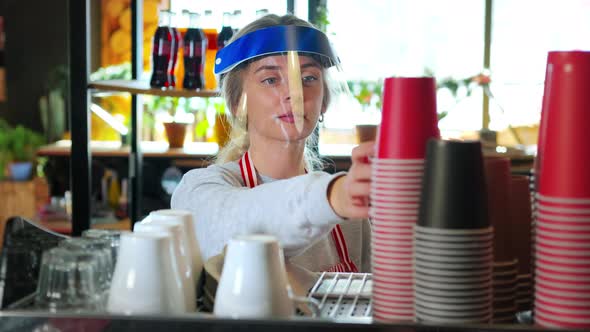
{"x": 268, "y": 103}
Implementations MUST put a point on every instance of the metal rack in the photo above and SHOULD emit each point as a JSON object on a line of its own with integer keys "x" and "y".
{"x": 344, "y": 296}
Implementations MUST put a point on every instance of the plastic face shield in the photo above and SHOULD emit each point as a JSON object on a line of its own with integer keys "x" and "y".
{"x": 288, "y": 75}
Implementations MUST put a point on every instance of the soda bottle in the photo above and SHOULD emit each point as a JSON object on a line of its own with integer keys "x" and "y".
{"x": 162, "y": 53}
{"x": 226, "y": 31}
{"x": 195, "y": 47}
{"x": 211, "y": 33}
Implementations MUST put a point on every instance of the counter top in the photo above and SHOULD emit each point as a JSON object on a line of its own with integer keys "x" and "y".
{"x": 45, "y": 321}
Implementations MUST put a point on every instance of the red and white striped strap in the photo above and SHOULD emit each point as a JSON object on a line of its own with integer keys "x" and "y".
{"x": 346, "y": 264}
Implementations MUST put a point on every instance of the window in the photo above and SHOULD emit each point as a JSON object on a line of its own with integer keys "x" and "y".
{"x": 522, "y": 34}
{"x": 377, "y": 39}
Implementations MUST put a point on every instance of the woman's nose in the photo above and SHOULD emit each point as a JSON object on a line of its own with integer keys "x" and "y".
{"x": 284, "y": 90}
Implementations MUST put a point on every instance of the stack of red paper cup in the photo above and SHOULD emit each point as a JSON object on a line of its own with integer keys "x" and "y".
{"x": 409, "y": 120}
{"x": 520, "y": 212}
{"x": 562, "y": 278}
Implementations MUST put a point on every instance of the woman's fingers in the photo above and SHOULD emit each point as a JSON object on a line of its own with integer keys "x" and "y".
{"x": 363, "y": 152}
{"x": 359, "y": 189}
{"x": 360, "y": 172}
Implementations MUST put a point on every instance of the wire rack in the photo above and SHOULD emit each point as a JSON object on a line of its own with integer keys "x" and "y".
{"x": 344, "y": 296}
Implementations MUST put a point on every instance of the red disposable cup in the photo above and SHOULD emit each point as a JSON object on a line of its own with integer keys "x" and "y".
{"x": 565, "y": 146}
{"x": 563, "y": 234}
{"x": 553, "y": 210}
{"x": 553, "y": 321}
{"x": 573, "y": 283}
{"x": 562, "y": 225}
{"x": 561, "y": 231}
{"x": 575, "y": 308}
{"x": 560, "y": 274}
{"x": 563, "y": 314}
{"x": 570, "y": 255}
{"x": 583, "y": 267}
{"x": 408, "y": 118}
{"x": 521, "y": 216}
{"x": 499, "y": 180}
{"x": 387, "y": 290}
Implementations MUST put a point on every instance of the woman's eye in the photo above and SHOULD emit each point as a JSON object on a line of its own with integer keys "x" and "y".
{"x": 270, "y": 80}
{"x": 309, "y": 79}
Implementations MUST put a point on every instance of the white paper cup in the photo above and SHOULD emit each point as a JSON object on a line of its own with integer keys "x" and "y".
{"x": 178, "y": 236}
{"x": 190, "y": 235}
{"x": 160, "y": 289}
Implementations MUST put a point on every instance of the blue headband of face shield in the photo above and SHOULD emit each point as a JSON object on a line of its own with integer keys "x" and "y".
{"x": 276, "y": 39}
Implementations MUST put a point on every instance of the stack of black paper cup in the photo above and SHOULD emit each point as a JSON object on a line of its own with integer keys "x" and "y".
{"x": 453, "y": 240}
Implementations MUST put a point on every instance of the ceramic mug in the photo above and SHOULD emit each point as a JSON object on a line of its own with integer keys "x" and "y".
{"x": 254, "y": 283}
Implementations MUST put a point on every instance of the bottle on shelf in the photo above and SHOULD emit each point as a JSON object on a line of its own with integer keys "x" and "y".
{"x": 211, "y": 33}
{"x": 180, "y": 25}
{"x": 237, "y": 21}
{"x": 162, "y": 59}
{"x": 195, "y": 48}
{"x": 226, "y": 31}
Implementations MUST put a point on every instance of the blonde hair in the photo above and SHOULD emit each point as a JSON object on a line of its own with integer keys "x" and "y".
{"x": 231, "y": 91}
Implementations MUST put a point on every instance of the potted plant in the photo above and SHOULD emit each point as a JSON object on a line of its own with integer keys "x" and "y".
{"x": 175, "y": 130}
{"x": 5, "y": 131}
{"x": 22, "y": 144}
{"x": 369, "y": 95}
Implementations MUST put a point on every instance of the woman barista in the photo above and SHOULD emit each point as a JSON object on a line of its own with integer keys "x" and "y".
{"x": 276, "y": 84}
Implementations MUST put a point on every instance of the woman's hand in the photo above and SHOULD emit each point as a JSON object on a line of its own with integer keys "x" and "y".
{"x": 349, "y": 194}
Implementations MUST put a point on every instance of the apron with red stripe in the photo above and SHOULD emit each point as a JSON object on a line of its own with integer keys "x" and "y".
{"x": 346, "y": 264}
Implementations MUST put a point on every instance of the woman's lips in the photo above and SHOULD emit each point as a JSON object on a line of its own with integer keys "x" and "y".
{"x": 287, "y": 117}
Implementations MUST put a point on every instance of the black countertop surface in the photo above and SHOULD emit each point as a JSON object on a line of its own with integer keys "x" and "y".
{"x": 64, "y": 322}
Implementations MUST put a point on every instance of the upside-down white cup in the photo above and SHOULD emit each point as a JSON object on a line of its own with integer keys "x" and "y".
{"x": 253, "y": 282}
{"x": 175, "y": 229}
{"x": 146, "y": 286}
{"x": 186, "y": 218}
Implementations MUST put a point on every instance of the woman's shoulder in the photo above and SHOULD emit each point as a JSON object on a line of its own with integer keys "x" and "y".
{"x": 220, "y": 173}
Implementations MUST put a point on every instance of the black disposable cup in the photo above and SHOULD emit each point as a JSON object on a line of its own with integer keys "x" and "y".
{"x": 454, "y": 186}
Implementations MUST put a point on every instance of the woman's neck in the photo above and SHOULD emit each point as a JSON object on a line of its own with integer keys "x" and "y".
{"x": 278, "y": 159}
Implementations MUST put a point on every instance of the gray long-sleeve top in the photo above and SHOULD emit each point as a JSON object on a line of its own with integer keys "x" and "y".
{"x": 295, "y": 210}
